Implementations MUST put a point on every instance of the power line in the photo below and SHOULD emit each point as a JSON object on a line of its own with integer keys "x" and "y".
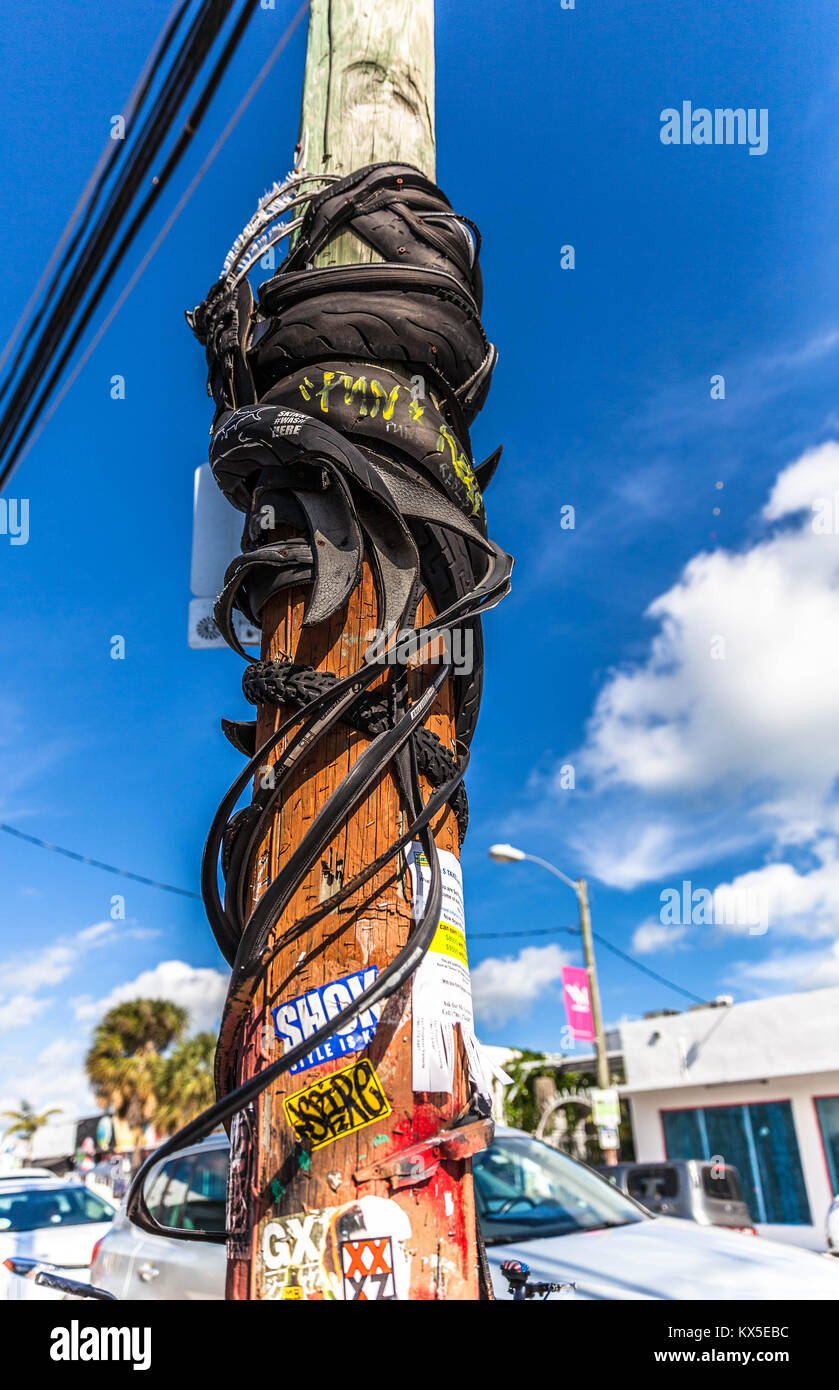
{"x": 78, "y": 271}
{"x": 645, "y": 969}
{"x": 107, "y": 161}
{"x": 473, "y": 936}
{"x": 161, "y": 236}
{"x": 536, "y": 931}
{"x": 98, "y": 864}
{"x": 616, "y": 950}
{"x": 89, "y": 278}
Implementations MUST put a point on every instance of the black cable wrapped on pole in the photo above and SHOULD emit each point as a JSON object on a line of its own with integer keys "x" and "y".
{"x": 389, "y": 471}
{"x": 344, "y": 397}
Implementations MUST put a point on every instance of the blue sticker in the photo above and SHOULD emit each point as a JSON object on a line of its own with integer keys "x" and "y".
{"x": 303, "y": 1016}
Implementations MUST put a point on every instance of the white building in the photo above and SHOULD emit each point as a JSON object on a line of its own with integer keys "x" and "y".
{"x": 756, "y": 1084}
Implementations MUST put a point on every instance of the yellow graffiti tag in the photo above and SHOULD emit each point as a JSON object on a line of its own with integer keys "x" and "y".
{"x": 355, "y": 392}
{"x": 461, "y": 466}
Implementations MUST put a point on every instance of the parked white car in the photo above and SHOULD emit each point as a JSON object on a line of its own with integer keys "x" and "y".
{"x": 51, "y": 1220}
{"x": 25, "y": 1174}
{"x": 535, "y": 1205}
{"x": 569, "y": 1225}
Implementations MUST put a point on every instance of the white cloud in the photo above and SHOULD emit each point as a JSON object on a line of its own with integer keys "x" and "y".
{"x": 54, "y": 1078}
{"x": 200, "y": 990}
{"x": 702, "y": 756}
{"x": 96, "y": 932}
{"x": 39, "y": 969}
{"x": 785, "y": 972}
{"x": 35, "y": 970}
{"x": 58, "y": 1052}
{"x": 795, "y": 903}
{"x": 505, "y": 987}
{"x": 626, "y": 843}
{"x": 777, "y": 897}
{"x": 102, "y": 932}
{"x": 27, "y": 974}
{"x": 814, "y": 476}
{"x": 654, "y": 936}
{"x": 21, "y": 1009}
{"x": 685, "y": 720}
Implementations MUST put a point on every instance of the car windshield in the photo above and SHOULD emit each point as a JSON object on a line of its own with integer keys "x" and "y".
{"x": 41, "y": 1207}
{"x": 524, "y": 1189}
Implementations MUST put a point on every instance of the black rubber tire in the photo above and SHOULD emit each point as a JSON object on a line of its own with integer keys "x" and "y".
{"x": 417, "y": 329}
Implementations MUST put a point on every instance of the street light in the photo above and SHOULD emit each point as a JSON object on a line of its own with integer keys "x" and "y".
{"x": 505, "y": 854}
{"x": 508, "y": 854}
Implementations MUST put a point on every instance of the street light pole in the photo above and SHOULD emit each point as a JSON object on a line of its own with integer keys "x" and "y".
{"x": 581, "y": 889}
{"x": 507, "y": 854}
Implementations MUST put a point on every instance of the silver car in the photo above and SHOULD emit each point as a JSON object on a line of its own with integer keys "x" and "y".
{"x": 693, "y": 1189}
{"x": 186, "y": 1192}
{"x": 534, "y": 1204}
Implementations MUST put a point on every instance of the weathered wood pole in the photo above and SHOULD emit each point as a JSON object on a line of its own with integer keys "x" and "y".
{"x": 368, "y": 97}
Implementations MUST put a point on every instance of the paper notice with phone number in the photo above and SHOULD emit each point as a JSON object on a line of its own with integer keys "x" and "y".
{"x": 442, "y": 992}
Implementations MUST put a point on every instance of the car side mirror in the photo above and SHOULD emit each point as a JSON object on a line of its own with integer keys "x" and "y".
{"x": 139, "y": 1213}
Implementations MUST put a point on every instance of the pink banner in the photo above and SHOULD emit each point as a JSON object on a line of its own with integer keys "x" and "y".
{"x": 577, "y": 997}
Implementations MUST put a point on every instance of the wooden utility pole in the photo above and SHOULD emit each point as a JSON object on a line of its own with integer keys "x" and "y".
{"x": 368, "y": 97}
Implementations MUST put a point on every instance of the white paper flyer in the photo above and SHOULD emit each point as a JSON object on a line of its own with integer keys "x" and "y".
{"x": 442, "y": 992}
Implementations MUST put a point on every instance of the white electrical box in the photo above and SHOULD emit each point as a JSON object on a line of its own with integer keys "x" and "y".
{"x": 216, "y": 537}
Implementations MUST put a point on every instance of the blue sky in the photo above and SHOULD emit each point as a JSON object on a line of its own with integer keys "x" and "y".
{"x": 690, "y": 261}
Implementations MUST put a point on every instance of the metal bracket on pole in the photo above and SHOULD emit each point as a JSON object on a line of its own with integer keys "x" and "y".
{"x": 418, "y": 1162}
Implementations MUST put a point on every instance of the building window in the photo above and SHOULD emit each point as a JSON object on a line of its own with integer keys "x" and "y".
{"x": 827, "y": 1110}
{"x": 760, "y": 1141}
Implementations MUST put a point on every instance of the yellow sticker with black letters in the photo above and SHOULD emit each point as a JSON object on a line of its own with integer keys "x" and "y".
{"x": 338, "y": 1104}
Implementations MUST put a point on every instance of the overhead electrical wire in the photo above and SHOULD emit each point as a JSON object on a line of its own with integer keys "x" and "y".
{"x": 80, "y": 289}
{"x": 116, "y": 256}
{"x": 161, "y": 235}
{"x": 645, "y": 969}
{"x": 93, "y": 188}
{"x": 98, "y": 863}
{"x": 616, "y": 950}
{"x": 136, "y": 156}
{"x": 473, "y": 936}
{"x": 498, "y": 935}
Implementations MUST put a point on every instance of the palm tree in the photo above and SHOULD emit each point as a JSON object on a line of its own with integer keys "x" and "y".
{"x": 27, "y": 1122}
{"x": 125, "y": 1064}
{"x": 186, "y": 1085}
